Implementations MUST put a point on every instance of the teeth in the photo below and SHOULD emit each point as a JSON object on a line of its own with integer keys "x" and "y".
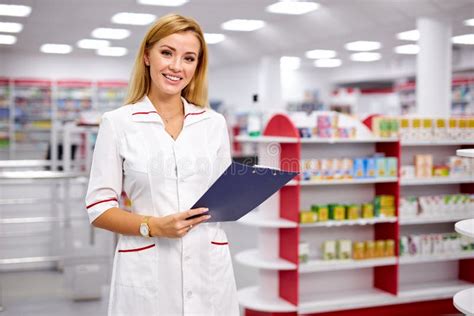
{"x": 173, "y": 78}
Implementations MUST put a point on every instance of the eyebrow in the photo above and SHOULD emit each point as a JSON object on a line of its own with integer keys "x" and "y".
{"x": 174, "y": 49}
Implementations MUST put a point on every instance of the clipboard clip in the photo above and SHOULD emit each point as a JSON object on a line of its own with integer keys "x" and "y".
{"x": 273, "y": 169}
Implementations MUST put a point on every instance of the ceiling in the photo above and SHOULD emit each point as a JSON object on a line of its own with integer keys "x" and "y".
{"x": 330, "y": 27}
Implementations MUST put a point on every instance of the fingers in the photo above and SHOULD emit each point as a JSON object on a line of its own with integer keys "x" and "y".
{"x": 192, "y": 213}
{"x": 197, "y": 220}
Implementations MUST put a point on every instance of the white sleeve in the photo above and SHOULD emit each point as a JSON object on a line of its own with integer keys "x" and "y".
{"x": 105, "y": 181}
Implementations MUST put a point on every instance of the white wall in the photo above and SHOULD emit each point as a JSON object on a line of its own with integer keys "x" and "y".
{"x": 296, "y": 82}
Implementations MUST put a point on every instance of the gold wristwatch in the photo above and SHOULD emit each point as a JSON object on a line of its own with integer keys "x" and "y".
{"x": 144, "y": 228}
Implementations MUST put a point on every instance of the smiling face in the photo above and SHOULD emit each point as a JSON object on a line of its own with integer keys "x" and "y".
{"x": 172, "y": 62}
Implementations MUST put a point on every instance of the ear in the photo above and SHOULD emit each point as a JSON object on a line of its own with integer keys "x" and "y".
{"x": 146, "y": 59}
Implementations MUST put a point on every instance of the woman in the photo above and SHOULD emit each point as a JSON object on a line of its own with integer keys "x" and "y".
{"x": 164, "y": 149}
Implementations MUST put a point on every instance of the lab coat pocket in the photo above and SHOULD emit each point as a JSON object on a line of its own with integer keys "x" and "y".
{"x": 137, "y": 262}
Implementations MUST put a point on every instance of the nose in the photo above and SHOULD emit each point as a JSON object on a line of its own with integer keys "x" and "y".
{"x": 175, "y": 64}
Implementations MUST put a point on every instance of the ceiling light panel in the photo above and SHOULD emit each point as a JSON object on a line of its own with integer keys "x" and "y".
{"x": 466, "y": 39}
{"x": 290, "y": 62}
{"x": 56, "y": 48}
{"x": 109, "y": 33}
{"x": 7, "y": 39}
{"x": 328, "y": 63}
{"x": 320, "y": 54}
{"x": 365, "y": 57}
{"x": 469, "y": 22}
{"x": 413, "y": 35}
{"x": 292, "y": 7}
{"x": 163, "y": 3}
{"x": 363, "y": 46}
{"x": 133, "y": 18}
{"x": 410, "y": 49}
{"x": 10, "y": 27}
{"x": 213, "y": 38}
{"x": 15, "y": 10}
{"x": 243, "y": 25}
{"x": 112, "y": 51}
{"x": 92, "y": 43}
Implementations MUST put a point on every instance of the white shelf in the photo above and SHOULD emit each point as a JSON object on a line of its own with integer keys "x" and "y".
{"x": 465, "y": 227}
{"x": 344, "y": 300}
{"x": 435, "y": 258}
{"x": 251, "y": 298}
{"x": 266, "y": 139}
{"x": 464, "y": 301}
{"x": 333, "y": 265}
{"x": 347, "y": 181}
{"x": 252, "y": 258}
{"x": 360, "y": 221}
{"x": 465, "y": 152}
{"x": 254, "y": 219}
{"x": 446, "y": 142}
{"x": 434, "y": 219}
{"x": 431, "y": 290}
{"x": 347, "y": 140}
{"x": 436, "y": 180}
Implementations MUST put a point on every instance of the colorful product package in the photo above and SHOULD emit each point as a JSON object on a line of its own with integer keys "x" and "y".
{"x": 303, "y": 251}
{"x": 389, "y": 248}
{"x": 353, "y": 211}
{"x": 358, "y": 250}
{"x": 381, "y": 167}
{"x": 423, "y": 166}
{"x": 391, "y": 166}
{"x": 337, "y": 212}
{"x": 369, "y": 249}
{"x": 329, "y": 250}
{"x": 347, "y": 168}
{"x": 322, "y": 212}
{"x": 308, "y": 217}
{"x": 358, "y": 171}
{"x": 344, "y": 249}
{"x": 379, "y": 249}
{"x": 370, "y": 170}
{"x": 367, "y": 210}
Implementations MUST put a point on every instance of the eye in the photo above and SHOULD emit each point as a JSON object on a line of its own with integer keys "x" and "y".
{"x": 190, "y": 59}
{"x": 166, "y": 52}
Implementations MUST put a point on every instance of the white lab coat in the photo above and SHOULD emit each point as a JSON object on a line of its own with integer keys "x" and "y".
{"x": 192, "y": 275}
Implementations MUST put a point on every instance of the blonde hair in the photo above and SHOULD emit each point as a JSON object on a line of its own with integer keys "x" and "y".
{"x": 139, "y": 86}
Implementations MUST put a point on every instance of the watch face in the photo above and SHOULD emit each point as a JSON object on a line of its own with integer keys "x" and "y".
{"x": 144, "y": 230}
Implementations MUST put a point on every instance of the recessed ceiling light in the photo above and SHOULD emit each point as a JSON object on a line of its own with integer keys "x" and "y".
{"x": 243, "y": 25}
{"x": 15, "y": 10}
{"x": 469, "y": 22}
{"x": 10, "y": 27}
{"x": 164, "y": 3}
{"x": 466, "y": 39}
{"x": 109, "y": 33}
{"x": 410, "y": 49}
{"x": 112, "y": 51}
{"x": 92, "y": 43}
{"x": 56, "y": 48}
{"x": 292, "y": 7}
{"x": 412, "y": 35}
{"x": 363, "y": 46}
{"x": 327, "y": 63}
{"x": 365, "y": 57}
{"x": 290, "y": 62}
{"x": 133, "y": 18}
{"x": 320, "y": 53}
{"x": 7, "y": 39}
{"x": 213, "y": 38}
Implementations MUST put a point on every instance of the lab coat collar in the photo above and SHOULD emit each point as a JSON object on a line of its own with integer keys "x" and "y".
{"x": 144, "y": 111}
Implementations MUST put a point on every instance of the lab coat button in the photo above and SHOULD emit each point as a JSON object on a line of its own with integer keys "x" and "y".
{"x": 187, "y": 258}
{"x": 189, "y": 294}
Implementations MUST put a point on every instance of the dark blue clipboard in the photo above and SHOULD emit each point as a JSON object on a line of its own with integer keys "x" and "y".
{"x": 240, "y": 189}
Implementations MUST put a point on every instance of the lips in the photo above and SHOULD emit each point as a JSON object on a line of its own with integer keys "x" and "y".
{"x": 172, "y": 78}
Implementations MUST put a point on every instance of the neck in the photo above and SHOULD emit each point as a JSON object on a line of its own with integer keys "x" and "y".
{"x": 166, "y": 104}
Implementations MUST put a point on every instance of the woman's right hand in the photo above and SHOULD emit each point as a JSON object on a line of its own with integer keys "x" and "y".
{"x": 176, "y": 225}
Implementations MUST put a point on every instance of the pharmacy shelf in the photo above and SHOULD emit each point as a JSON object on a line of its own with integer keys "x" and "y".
{"x": 434, "y": 219}
{"x": 464, "y": 301}
{"x": 345, "y": 181}
{"x": 431, "y": 290}
{"x": 465, "y": 152}
{"x": 436, "y": 180}
{"x": 266, "y": 139}
{"x": 360, "y": 221}
{"x": 251, "y": 298}
{"x": 254, "y": 219}
{"x": 252, "y": 258}
{"x": 465, "y": 227}
{"x": 347, "y": 140}
{"x": 333, "y": 265}
{"x": 436, "y": 258}
{"x": 447, "y": 142}
{"x": 344, "y": 300}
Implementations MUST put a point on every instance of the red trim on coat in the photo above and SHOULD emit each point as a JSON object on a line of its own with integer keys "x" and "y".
{"x": 195, "y": 113}
{"x": 149, "y": 112}
{"x": 219, "y": 243}
{"x": 137, "y": 249}
{"x": 108, "y": 200}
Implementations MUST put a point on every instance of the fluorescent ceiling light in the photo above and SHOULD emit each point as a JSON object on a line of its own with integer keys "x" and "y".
{"x": 164, "y": 3}
{"x": 109, "y": 33}
{"x": 467, "y": 39}
{"x": 412, "y": 35}
{"x": 292, "y": 7}
{"x": 469, "y": 22}
{"x": 112, "y": 51}
{"x": 92, "y": 43}
{"x": 290, "y": 62}
{"x": 410, "y": 49}
{"x": 7, "y": 39}
{"x": 363, "y": 46}
{"x": 243, "y": 25}
{"x": 15, "y": 10}
{"x": 327, "y": 63}
{"x": 213, "y": 38}
{"x": 365, "y": 57}
{"x": 133, "y": 18}
{"x": 320, "y": 54}
{"x": 56, "y": 48}
{"x": 10, "y": 27}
